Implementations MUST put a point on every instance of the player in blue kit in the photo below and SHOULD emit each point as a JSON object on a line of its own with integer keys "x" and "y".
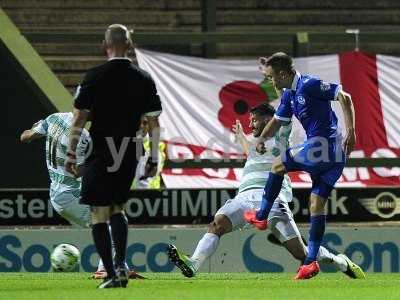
{"x": 323, "y": 155}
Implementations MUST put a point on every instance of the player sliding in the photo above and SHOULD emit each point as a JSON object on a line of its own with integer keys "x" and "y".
{"x": 230, "y": 217}
{"x": 64, "y": 187}
{"x": 322, "y": 156}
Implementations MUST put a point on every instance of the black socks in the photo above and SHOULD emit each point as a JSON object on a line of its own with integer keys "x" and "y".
{"x": 119, "y": 232}
{"x": 102, "y": 241}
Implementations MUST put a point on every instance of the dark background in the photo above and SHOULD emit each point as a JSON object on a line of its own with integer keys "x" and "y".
{"x": 23, "y": 165}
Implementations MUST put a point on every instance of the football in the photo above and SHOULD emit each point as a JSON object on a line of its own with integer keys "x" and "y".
{"x": 64, "y": 258}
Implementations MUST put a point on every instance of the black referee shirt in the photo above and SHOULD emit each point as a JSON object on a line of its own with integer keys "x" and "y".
{"x": 117, "y": 94}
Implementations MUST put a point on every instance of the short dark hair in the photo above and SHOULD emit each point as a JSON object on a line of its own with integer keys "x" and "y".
{"x": 263, "y": 109}
{"x": 118, "y": 35}
{"x": 279, "y": 61}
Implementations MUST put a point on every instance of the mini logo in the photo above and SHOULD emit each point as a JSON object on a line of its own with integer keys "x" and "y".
{"x": 385, "y": 205}
{"x": 301, "y": 100}
{"x": 325, "y": 86}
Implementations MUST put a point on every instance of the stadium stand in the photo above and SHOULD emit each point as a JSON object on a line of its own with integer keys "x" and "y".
{"x": 325, "y": 18}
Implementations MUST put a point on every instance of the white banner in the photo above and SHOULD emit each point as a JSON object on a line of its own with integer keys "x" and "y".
{"x": 202, "y": 98}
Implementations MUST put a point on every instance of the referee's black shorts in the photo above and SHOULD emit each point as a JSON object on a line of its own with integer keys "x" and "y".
{"x": 102, "y": 187}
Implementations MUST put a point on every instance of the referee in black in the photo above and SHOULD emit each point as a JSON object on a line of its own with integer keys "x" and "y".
{"x": 116, "y": 94}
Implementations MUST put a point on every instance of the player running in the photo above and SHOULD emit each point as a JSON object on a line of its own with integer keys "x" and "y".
{"x": 64, "y": 187}
{"x": 322, "y": 156}
{"x": 230, "y": 217}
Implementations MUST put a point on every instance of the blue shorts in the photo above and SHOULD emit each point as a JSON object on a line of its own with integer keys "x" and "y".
{"x": 324, "y": 161}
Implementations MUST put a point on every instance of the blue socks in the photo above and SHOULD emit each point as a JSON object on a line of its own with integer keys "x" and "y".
{"x": 317, "y": 230}
{"x": 271, "y": 192}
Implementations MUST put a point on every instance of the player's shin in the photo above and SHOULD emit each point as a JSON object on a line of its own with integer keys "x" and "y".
{"x": 271, "y": 192}
{"x": 205, "y": 248}
{"x": 317, "y": 230}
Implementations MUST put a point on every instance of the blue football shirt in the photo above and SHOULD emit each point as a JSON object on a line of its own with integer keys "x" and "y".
{"x": 309, "y": 100}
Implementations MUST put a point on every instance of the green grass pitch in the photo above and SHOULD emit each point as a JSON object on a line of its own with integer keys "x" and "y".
{"x": 232, "y": 286}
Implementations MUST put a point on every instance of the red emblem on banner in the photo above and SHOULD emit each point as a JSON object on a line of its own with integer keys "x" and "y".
{"x": 237, "y": 99}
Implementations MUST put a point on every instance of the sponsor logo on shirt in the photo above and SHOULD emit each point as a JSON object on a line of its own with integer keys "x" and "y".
{"x": 301, "y": 100}
{"x": 325, "y": 86}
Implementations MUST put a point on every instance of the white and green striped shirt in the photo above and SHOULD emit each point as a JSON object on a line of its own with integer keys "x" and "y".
{"x": 258, "y": 166}
{"x": 56, "y": 129}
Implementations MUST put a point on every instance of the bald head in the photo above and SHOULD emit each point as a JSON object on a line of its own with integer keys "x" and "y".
{"x": 118, "y": 36}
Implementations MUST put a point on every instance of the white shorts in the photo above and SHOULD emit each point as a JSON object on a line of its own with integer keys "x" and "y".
{"x": 280, "y": 219}
{"x": 67, "y": 206}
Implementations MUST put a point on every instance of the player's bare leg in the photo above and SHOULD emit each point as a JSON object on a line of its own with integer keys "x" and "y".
{"x": 296, "y": 248}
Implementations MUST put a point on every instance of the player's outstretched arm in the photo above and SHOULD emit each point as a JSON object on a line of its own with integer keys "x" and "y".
{"x": 30, "y": 135}
{"x": 240, "y": 137}
{"x": 349, "y": 118}
{"x": 37, "y": 131}
{"x": 271, "y": 128}
{"x": 269, "y": 131}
